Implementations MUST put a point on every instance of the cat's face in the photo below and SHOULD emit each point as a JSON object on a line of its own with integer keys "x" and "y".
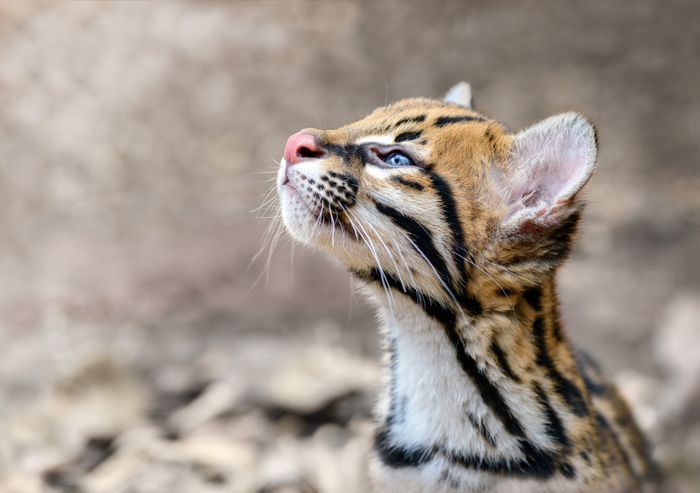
{"x": 416, "y": 190}
{"x": 394, "y": 188}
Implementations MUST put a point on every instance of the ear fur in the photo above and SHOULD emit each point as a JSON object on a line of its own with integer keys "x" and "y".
{"x": 461, "y": 94}
{"x": 550, "y": 163}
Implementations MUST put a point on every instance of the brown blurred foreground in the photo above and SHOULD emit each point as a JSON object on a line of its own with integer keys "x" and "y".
{"x": 138, "y": 354}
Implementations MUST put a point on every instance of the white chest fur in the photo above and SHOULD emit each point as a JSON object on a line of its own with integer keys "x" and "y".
{"x": 431, "y": 404}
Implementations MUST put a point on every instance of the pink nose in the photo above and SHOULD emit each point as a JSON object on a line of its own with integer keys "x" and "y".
{"x": 301, "y": 146}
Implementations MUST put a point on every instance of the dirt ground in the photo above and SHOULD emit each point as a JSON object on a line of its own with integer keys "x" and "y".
{"x": 137, "y": 351}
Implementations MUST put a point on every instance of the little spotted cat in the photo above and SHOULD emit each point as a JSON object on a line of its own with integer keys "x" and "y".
{"x": 457, "y": 228}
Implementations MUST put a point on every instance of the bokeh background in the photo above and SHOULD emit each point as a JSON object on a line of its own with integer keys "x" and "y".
{"x": 137, "y": 351}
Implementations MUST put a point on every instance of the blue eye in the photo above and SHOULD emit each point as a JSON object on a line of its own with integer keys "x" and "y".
{"x": 397, "y": 158}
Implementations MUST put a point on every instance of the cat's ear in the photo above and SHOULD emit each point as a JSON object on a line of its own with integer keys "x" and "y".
{"x": 550, "y": 162}
{"x": 461, "y": 94}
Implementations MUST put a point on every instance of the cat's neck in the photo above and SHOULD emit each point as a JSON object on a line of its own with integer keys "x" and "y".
{"x": 474, "y": 389}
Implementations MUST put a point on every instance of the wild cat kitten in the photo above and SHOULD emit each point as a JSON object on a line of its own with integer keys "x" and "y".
{"x": 457, "y": 228}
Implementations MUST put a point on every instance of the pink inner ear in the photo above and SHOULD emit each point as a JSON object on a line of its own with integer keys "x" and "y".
{"x": 551, "y": 162}
{"x": 537, "y": 191}
{"x": 545, "y": 185}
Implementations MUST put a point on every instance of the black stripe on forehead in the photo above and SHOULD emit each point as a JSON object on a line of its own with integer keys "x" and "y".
{"x": 449, "y": 120}
{"x": 404, "y": 136}
{"x": 411, "y": 119}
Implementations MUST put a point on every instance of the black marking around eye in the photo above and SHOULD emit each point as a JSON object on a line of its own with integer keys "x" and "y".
{"x": 404, "y": 136}
{"x": 448, "y": 120}
{"x": 408, "y": 183}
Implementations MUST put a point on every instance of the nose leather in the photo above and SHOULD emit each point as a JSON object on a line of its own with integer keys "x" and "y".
{"x": 299, "y": 146}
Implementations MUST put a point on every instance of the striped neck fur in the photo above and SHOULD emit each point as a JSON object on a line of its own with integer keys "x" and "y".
{"x": 459, "y": 400}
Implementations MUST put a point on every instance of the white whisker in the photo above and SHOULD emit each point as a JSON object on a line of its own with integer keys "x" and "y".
{"x": 386, "y": 248}
{"x": 368, "y": 242}
{"x": 437, "y": 275}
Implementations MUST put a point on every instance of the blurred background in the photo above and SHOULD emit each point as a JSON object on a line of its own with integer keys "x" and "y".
{"x": 137, "y": 351}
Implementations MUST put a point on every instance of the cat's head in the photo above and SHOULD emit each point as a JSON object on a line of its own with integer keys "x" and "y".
{"x": 427, "y": 194}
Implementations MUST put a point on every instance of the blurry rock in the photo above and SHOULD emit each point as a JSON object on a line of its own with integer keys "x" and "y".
{"x": 314, "y": 376}
{"x": 203, "y": 458}
{"x": 101, "y": 397}
{"x": 216, "y": 399}
{"x": 679, "y": 460}
{"x": 115, "y": 474}
{"x": 169, "y": 401}
{"x": 215, "y": 450}
{"x": 283, "y": 464}
{"x": 339, "y": 410}
{"x": 68, "y": 476}
{"x": 677, "y": 348}
{"x": 299, "y": 486}
{"x": 339, "y": 459}
{"x": 69, "y": 427}
{"x": 63, "y": 478}
{"x": 16, "y": 482}
{"x": 144, "y": 476}
{"x": 332, "y": 461}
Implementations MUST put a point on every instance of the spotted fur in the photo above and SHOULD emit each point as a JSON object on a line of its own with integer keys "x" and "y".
{"x": 459, "y": 252}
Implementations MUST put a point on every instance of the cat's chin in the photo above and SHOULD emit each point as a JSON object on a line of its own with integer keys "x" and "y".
{"x": 300, "y": 222}
{"x": 310, "y": 227}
